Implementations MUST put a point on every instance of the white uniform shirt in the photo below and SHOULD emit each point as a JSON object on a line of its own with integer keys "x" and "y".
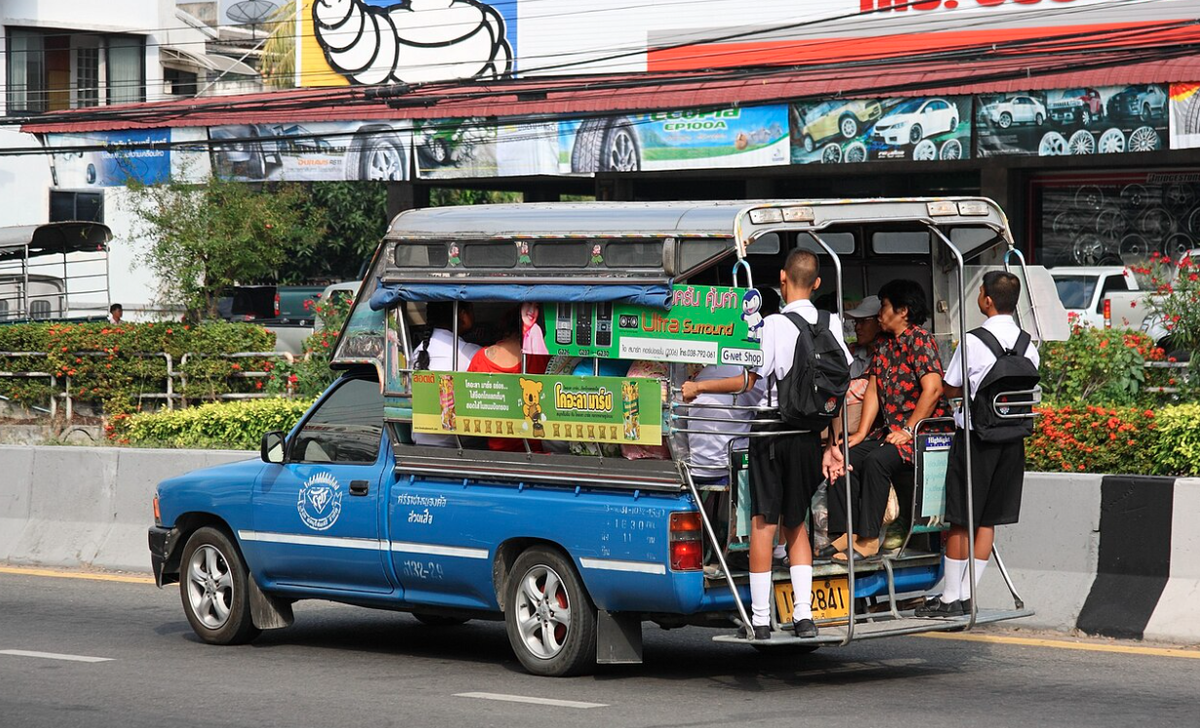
{"x": 710, "y": 448}
{"x": 980, "y": 358}
{"x": 441, "y": 355}
{"x": 779, "y": 341}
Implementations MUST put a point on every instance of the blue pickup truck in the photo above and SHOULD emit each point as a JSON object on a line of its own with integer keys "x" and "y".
{"x": 574, "y": 548}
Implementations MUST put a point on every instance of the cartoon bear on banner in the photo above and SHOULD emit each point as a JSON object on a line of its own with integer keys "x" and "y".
{"x": 418, "y": 41}
{"x": 531, "y": 395}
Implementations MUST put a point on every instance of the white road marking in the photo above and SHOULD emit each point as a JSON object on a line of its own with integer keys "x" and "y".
{"x": 55, "y": 656}
{"x": 527, "y": 699}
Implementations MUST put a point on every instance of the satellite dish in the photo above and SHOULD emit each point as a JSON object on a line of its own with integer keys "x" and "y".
{"x": 251, "y": 12}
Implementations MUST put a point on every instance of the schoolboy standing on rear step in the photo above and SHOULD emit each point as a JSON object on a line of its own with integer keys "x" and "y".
{"x": 785, "y": 470}
{"x": 997, "y": 468}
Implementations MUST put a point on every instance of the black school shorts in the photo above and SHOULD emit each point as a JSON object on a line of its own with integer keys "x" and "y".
{"x": 785, "y": 471}
{"x": 997, "y": 476}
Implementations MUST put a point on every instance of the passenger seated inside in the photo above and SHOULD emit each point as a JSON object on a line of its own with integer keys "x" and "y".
{"x": 905, "y": 387}
{"x": 435, "y": 351}
{"x": 505, "y": 357}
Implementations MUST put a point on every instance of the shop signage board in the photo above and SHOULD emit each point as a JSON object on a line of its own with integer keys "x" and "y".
{"x": 754, "y": 136}
{"x": 138, "y": 156}
{"x": 312, "y": 152}
{"x": 1075, "y": 121}
{"x": 1185, "y": 115}
{"x": 705, "y": 325}
{"x": 619, "y": 410}
{"x": 859, "y": 130}
{"x": 462, "y": 148}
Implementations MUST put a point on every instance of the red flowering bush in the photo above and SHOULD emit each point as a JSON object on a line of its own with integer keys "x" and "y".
{"x": 1093, "y": 440}
{"x": 1097, "y": 365}
{"x": 1176, "y": 298}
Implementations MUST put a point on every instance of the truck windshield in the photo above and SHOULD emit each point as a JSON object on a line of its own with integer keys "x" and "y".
{"x": 1075, "y": 291}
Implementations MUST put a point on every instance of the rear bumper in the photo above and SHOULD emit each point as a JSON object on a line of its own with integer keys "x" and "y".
{"x": 164, "y": 554}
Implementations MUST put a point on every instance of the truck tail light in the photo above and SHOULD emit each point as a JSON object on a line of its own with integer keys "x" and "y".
{"x": 1108, "y": 313}
{"x": 687, "y": 549}
{"x": 276, "y": 305}
{"x": 157, "y": 513}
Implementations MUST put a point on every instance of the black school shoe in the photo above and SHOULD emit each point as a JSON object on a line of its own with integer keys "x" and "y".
{"x": 762, "y": 632}
{"x": 804, "y": 628}
{"x": 937, "y": 608}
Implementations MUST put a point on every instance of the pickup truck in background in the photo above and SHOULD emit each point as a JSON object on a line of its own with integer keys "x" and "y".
{"x": 1107, "y": 297}
{"x": 279, "y": 309}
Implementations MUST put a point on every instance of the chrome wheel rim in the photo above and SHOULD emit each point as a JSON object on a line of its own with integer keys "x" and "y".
{"x": 856, "y": 152}
{"x": 1112, "y": 141}
{"x": 543, "y": 612}
{"x": 1143, "y": 139}
{"x": 210, "y": 587}
{"x": 384, "y": 164}
{"x": 849, "y": 128}
{"x": 1053, "y": 144}
{"x": 623, "y": 157}
{"x": 1082, "y": 142}
{"x": 925, "y": 151}
{"x": 951, "y": 149}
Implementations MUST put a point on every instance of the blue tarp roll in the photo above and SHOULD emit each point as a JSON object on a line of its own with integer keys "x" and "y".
{"x": 387, "y": 296}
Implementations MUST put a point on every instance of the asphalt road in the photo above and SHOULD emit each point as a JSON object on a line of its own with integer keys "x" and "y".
{"x": 346, "y": 666}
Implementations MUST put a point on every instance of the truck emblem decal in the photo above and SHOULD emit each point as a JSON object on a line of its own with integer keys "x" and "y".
{"x": 320, "y": 501}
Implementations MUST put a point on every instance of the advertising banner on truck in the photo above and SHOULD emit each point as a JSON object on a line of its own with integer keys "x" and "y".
{"x": 916, "y": 129}
{"x": 735, "y": 137}
{"x": 705, "y": 325}
{"x": 619, "y": 410}
{"x": 312, "y": 152}
{"x": 1078, "y": 121}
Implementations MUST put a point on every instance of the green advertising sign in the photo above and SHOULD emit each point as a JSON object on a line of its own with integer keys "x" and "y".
{"x": 621, "y": 410}
{"x": 705, "y": 325}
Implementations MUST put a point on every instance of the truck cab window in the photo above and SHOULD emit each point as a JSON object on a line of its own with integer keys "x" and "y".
{"x": 345, "y": 428}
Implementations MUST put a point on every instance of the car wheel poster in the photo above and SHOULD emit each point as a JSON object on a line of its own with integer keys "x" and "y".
{"x": 861, "y": 130}
{"x": 1073, "y": 121}
{"x": 376, "y": 151}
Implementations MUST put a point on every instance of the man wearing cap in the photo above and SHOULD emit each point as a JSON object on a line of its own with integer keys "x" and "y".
{"x": 866, "y": 334}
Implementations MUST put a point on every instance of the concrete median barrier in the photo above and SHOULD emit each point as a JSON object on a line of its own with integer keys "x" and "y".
{"x": 87, "y": 506}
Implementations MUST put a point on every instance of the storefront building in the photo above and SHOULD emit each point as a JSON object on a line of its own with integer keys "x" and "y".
{"x": 1081, "y": 117}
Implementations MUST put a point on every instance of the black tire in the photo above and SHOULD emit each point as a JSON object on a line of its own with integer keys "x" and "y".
{"x": 606, "y": 145}
{"x": 808, "y": 143}
{"x": 589, "y": 141}
{"x": 381, "y": 158}
{"x": 1005, "y": 120}
{"x": 539, "y": 611}
{"x": 1038, "y": 119}
{"x": 1146, "y": 113}
{"x": 217, "y": 556}
{"x": 914, "y": 134}
{"x": 438, "y": 620}
{"x": 848, "y": 123}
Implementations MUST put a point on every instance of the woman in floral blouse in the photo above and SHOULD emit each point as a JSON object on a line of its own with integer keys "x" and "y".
{"x": 905, "y": 387}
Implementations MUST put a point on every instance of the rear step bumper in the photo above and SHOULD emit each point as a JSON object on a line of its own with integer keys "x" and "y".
{"x": 881, "y": 625}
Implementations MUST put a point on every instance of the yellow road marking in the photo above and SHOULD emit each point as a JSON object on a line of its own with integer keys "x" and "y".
{"x": 123, "y": 578}
{"x": 1066, "y": 645}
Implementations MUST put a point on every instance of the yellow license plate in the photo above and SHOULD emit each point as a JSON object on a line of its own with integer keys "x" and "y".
{"x": 830, "y": 599}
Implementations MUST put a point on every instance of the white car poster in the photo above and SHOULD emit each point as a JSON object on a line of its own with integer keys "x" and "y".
{"x": 923, "y": 129}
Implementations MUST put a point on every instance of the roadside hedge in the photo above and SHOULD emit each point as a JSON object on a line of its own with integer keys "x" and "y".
{"x": 105, "y": 364}
{"x": 1176, "y": 449}
{"x": 224, "y": 425}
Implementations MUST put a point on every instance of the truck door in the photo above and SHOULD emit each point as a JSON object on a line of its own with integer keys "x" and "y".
{"x": 317, "y": 514}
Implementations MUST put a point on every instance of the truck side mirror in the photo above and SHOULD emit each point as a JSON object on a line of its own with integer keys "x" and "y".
{"x": 272, "y": 448}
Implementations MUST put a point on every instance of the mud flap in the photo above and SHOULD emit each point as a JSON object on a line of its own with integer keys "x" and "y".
{"x": 266, "y": 611}
{"x": 618, "y": 638}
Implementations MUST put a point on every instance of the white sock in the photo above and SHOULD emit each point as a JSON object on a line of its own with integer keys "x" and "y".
{"x": 802, "y": 592}
{"x": 760, "y": 598}
{"x": 952, "y": 580}
{"x": 964, "y": 592}
{"x": 780, "y": 551}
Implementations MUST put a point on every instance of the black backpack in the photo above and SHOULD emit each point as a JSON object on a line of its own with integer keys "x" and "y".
{"x": 812, "y": 392}
{"x": 1011, "y": 372}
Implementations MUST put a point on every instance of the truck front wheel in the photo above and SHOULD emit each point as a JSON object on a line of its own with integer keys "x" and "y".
{"x": 215, "y": 588}
{"x": 550, "y": 618}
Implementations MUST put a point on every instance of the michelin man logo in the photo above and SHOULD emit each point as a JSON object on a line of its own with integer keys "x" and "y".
{"x": 416, "y": 41}
{"x": 320, "y": 502}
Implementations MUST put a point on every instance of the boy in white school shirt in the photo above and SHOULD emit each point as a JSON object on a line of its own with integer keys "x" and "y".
{"x": 785, "y": 470}
{"x": 997, "y": 468}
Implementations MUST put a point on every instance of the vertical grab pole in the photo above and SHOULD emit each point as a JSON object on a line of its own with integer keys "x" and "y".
{"x": 837, "y": 265}
{"x": 966, "y": 413}
{"x": 1037, "y": 324}
{"x": 453, "y": 353}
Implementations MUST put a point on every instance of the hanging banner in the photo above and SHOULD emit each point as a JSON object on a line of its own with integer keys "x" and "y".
{"x": 1077, "y": 121}
{"x": 312, "y": 152}
{"x": 920, "y": 129}
{"x": 705, "y": 325}
{"x": 621, "y": 410}
{"x": 1185, "y": 115}
{"x": 458, "y": 148}
{"x": 140, "y": 156}
{"x": 737, "y": 137}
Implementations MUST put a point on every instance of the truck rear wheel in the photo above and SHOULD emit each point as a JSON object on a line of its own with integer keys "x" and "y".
{"x": 550, "y": 618}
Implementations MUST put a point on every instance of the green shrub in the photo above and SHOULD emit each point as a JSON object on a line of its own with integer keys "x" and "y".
{"x": 1176, "y": 447}
{"x": 1097, "y": 366}
{"x": 105, "y": 364}
{"x": 231, "y": 425}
